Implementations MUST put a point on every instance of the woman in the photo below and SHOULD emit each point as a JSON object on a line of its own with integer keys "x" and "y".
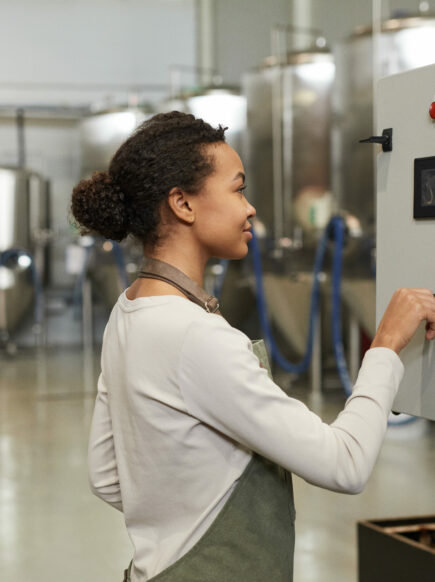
{"x": 190, "y": 438}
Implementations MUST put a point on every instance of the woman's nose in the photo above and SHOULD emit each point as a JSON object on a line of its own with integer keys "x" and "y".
{"x": 251, "y": 211}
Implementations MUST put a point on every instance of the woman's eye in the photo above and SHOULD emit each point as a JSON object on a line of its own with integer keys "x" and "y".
{"x": 241, "y": 189}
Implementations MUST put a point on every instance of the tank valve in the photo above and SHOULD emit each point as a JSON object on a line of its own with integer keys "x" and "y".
{"x": 386, "y": 140}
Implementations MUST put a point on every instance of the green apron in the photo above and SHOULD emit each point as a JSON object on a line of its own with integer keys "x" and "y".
{"x": 252, "y": 538}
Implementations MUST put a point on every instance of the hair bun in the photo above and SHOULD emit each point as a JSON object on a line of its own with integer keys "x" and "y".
{"x": 98, "y": 205}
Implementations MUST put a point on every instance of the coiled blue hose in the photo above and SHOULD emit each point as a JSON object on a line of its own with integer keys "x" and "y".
{"x": 303, "y": 365}
{"x": 335, "y": 230}
{"x": 37, "y": 285}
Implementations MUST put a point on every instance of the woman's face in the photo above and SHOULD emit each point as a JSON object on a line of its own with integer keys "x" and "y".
{"x": 222, "y": 212}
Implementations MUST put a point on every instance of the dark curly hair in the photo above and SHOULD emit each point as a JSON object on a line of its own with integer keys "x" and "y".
{"x": 165, "y": 151}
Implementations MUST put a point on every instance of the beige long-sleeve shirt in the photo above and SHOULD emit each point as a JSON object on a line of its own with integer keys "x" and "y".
{"x": 182, "y": 404}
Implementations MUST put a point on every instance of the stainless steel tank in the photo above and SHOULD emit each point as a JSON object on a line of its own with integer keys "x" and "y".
{"x": 400, "y": 45}
{"x": 288, "y": 161}
{"x": 101, "y": 135}
{"x": 217, "y": 105}
{"x": 14, "y": 209}
{"x": 23, "y": 220}
{"x": 287, "y": 146}
{"x": 103, "y": 132}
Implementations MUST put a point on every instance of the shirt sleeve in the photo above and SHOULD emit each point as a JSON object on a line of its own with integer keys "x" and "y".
{"x": 102, "y": 466}
{"x": 223, "y": 386}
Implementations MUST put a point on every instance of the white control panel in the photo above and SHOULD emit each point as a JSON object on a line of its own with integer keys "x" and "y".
{"x": 406, "y": 218}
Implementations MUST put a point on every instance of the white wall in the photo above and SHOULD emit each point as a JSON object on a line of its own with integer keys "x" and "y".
{"x": 74, "y": 53}
{"x": 243, "y": 33}
{"x": 76, "y": 45}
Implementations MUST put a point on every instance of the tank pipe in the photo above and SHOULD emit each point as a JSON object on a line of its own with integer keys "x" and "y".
{"x": 78, "y": 287}
{"x": 279, "y": 44}
{"x": 20, "y": 140}
{"x": 17, "y": 253}
{"x": 206, "y": 38}
{"x": 295, "y": 28}
{"x": 209, "y": 74}
{"x": 277, "y": 155}
{"x": 81, "y": 86}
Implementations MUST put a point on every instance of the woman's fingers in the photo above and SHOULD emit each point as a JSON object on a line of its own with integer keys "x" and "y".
{"x": 406, "y": 310}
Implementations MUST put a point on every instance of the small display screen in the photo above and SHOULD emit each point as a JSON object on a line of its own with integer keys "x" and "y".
{"x": 428, "y": 188}
{"x": 424, "y": 187}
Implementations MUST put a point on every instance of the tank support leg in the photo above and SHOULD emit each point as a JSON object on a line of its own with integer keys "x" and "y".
{"x": 88, "y": 337}
{"x": 316, "y": 362}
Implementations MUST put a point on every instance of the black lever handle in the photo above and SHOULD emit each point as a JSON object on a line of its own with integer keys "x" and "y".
{"x": 386, "y": 139}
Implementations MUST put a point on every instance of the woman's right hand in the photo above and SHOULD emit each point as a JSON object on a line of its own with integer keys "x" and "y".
{"x": 406, "y": 310}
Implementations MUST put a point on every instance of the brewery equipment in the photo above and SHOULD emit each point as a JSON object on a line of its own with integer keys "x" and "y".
{"x": 24, "y": 221}
{"x": 287, "y": 146}
{"x": 217, "y": 105}
{"x": 101, "y": 134}
{"x": 406, "y": 218}
{"x": 401, "y": 44}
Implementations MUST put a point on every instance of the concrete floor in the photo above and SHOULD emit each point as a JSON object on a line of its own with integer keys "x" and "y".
{"x": 52, "y": 529}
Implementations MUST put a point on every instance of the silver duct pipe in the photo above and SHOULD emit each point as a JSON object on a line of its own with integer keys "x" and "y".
{"x": 206, "y": 41}
{"x": 301, "y": 17}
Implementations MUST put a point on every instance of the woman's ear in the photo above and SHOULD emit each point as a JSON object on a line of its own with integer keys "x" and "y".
{"x": 179, "y": 203}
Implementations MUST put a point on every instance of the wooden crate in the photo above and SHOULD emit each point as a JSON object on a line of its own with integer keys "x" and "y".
{"x": 397, "y": 550}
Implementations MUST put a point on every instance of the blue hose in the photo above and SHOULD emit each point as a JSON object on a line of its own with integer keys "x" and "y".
{"x": 37, "y": 285}
{"x": 303, "y": 365}
{"x": 335, "y": 229}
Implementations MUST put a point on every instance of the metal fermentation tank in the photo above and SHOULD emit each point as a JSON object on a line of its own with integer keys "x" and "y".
{"x": 402, "y": 44}
{"x": 287, "y": 158}
{"x": 287, "y": 147}
{"x": 102, "y": 133}
{"x": 217, "y": 105}
{"x": 398, "y": 44}
{"x": 24, "y": 219}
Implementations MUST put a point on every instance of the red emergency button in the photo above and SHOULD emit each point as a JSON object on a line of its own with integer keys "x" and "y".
{"x": 432, "y": 110}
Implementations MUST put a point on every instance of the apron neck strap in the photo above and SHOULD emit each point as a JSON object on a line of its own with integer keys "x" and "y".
{"x": 155, "y": 269}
